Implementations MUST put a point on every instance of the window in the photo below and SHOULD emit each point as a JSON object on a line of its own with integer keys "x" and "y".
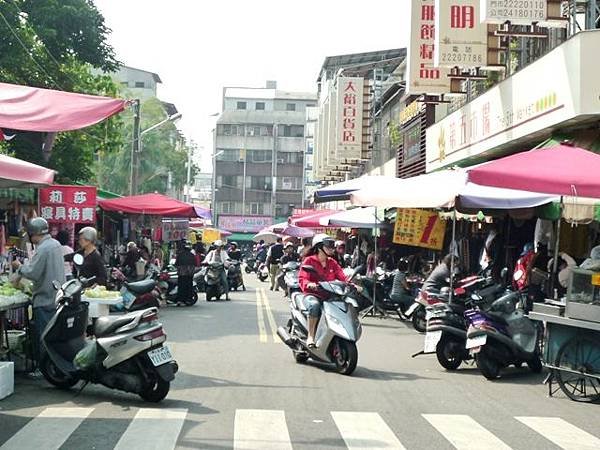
{"x": 260, "y": 106}
{"x": 258, "y": 183}
{"x": 140, "y": 84}
{"x": 289, "y": 158}
{"x": 226, "y": 208}
{"x": 228, "y": 155}
{"x": 290, "y": 107}
{"x": 229, "y": 181}
{"x": 260, "y": 156}
{"x": 291, "y": 130}
{"x": 256, "y": 209}
{"x": 230, "y": 130}
{"x": 289, "y": 183}
{"x": 241, "y": 105}
{"x": 124, "y": 83}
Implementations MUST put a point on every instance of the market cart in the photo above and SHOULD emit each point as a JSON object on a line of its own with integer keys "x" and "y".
{"x": 572, "y": 339}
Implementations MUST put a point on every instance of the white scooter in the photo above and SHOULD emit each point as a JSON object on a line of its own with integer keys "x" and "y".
{"x": 126, "y": 352}
{"x": 337, "y": 332}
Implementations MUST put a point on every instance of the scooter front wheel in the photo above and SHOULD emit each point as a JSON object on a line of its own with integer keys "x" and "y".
{"x": 54, "y": 375}
{"x": 345, "y": 355}
{"x": 419, "y": 319}
{"x": 449, "y": 353}
{"x": 193, "y": 300}
{"x": 489, "y": 367}
{"x": 157, "y": 392}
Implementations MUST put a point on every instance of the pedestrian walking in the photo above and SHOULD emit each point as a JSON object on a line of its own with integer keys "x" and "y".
{"x": 273, "y": 259}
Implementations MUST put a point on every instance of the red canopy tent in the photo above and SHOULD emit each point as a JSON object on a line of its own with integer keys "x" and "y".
{"x": 45, "y": 110}
{"x": 17, "y": 173}
{"x": 561, "y": 170}
{"x": 150, "y": 205}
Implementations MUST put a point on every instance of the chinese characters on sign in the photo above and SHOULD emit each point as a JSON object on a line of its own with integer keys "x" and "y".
{"x": 69, "y": 204}
{"x": 419, "y": 228}
{"x": 423, "y": 77}
{"x": 244, "y": 224}
{"x": 517, "y": 12}
{"x": 349, "y": 116}
{"x": 460, "y": 40}
{"x": 175, "y": 230}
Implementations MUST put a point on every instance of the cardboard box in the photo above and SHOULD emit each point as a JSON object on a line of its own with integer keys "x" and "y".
{"x": 7, "y": 379}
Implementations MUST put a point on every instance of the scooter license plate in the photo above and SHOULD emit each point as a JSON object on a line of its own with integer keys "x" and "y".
{"x": 476, "y": 341}
{"x": 412, "y": 309}
{"x": 160, "y": 356}
{"x": 431, "y": 341}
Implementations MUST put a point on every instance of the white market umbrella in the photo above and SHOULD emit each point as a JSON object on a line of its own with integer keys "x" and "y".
{"x": 265, "y": 235}
{"x": 353, "y": 218}
{"x": 341, "y": 191}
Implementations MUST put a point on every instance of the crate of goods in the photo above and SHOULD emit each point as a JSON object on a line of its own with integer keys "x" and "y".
{"x": 7, "y": 379}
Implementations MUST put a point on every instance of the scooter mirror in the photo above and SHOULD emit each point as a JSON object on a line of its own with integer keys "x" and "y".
{"x": 78, "y": 259}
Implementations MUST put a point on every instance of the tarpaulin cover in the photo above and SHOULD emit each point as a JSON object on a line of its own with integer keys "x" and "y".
{"x": 151, "y": 205}
{"x": 17, "y": 173}
{"x": 560, "y": 170}
{"x": 35, "y": 109}
{"x": 341, "y": 191}
{"x": 311, "y": 220}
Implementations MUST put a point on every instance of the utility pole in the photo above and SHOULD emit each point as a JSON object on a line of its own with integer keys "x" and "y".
{"x": 188, "y": 188}
{"x": 135, "y": 148}
{"x": 274, "y": 173}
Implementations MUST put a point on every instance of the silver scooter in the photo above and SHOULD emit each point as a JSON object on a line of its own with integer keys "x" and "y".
{"x": 126, "y": 352}
{"x": 338, "y": 330}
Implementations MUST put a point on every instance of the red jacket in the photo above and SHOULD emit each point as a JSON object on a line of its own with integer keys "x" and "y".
{"x": 331, "y": 272}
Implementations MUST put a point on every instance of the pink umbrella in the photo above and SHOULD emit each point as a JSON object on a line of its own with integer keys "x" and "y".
{"x": 562, "y": 170}
{"x": 286, "y": 229}
{"x": 312, "y": 220}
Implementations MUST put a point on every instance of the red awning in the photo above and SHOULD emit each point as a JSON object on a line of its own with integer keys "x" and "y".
{"x": 17, "y": 173}
{"x": 311, "y": 220}
{"x": 560, "y": 170}
{"x": 35, "y": 109}
{"x": 150, "y": 205}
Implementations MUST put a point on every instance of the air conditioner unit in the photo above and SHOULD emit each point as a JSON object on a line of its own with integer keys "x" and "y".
{"x": 241, "y": 160}
{"x": 280, "y": 160}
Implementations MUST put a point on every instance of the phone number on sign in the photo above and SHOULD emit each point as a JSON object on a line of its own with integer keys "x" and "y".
{"x": 459, "y": 57}
{"x": 517, "y": 13}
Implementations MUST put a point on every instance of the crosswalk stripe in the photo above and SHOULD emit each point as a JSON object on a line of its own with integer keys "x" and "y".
{"x": 153, "y": 429}
{"x": 260, "y": 429}
{"x": 49, "y": 430}
{"x": 562, "y": 433}
{"x": 365, "y": 431}
{"x": 270, "y": 316}
{"x": 464, "y": 433}
{"x": 262, "y": 330}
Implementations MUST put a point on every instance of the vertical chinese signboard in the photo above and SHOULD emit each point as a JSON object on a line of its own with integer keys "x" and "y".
{"x": 460, "y": 39}
{"x": 423, "y": 77}
{"x": 349, "y": 116}
{"x": 419, "y": 228}
{"x": 68, "y": 204}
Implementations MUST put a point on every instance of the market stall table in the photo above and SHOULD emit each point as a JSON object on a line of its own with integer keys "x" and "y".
{"x": 19, "y": 301}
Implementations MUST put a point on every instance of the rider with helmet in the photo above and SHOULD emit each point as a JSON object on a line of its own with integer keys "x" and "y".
{"x": 46, "y": 266}
{"x": 219, "y": 255}
{"x": 93, "y": 263}
{"x": 320, "y": 257}
{"x": 234, "y": 252}
{"x": 340, "y": 253}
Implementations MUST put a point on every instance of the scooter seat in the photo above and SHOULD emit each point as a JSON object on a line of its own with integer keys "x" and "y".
{"x": 141, "y": 287}
{"x": 107, "y": 324}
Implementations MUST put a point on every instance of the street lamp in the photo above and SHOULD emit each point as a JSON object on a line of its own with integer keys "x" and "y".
{"x": 136, "y": 148}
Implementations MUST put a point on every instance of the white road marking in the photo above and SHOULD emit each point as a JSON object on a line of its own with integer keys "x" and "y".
{"x": 153, "y": 429}
{"x": 258, "y": 429}
{"x": 465, "y": 433}
{"x": 262, "y": 330}
{"x": 562, "y": 433}
{"x": 365, "y": 431}
{"x": 49, "y": 430}
{"x": 270, "y": 316}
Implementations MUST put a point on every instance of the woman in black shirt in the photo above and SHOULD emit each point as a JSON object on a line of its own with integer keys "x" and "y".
{"x": 93, "y": 263}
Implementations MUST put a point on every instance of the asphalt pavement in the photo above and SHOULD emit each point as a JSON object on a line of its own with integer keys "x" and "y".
{"x": 239, "y": 387}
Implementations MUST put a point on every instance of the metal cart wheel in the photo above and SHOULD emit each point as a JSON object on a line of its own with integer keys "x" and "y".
{"x": 577, "y": 358}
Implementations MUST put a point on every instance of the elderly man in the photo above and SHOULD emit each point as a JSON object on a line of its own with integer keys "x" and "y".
{"x": 46, "y": 266}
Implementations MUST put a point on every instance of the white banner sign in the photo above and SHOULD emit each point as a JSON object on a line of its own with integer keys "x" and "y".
{"x": 460, "y": 39}
{"x": 349, "y": 116}
{"x": 422, "y": 77}
{"x": 175, "y": 230}
{"x": 517, "y": 12}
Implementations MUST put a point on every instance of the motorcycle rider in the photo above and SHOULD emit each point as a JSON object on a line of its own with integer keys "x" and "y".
{"x": 46, "y": 266}
{"x": 400, "y": 290}
{"x": 439, "y": 276}
{"x": 290, "y": 254}
{"x": 234, "y": 252}
{"x": 320, "y": 257}
{"x": 340, "y": 253}
{"x": 219, "y": 255}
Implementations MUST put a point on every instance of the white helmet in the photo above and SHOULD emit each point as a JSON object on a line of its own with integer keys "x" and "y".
{"x": 324, "y": 240}
{"x": 218, "y": 243}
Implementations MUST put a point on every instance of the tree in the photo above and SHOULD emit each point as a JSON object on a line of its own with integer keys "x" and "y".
{"x": 53, "y": 44}
{"x": 164, "y": 152}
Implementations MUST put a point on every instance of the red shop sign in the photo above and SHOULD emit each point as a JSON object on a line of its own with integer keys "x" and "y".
{"x": 71, "y": 204}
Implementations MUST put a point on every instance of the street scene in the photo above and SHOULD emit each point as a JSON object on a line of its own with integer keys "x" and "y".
{"x": 276, "y": 226}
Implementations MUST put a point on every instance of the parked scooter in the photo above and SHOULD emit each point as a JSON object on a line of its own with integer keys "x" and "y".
{"x": 212, "y": 280}
{"x": 251, "y": 265}
{"x": 128, "y": 352}
{"x": 235, "y": 278}
{"x": 263, "y": 272}
{"x": 337, "y": 332}
{"x": 137, "y": 295}
{"x": 167, "y": 283}
{"x": 503, "y": 335}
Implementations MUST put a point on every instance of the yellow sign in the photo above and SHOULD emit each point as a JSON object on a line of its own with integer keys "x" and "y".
{"x": 410, "y": 112}
{"x": 210, "y": 235}
{"x": 419, "y": 228}
{"x": 596, "y": 279}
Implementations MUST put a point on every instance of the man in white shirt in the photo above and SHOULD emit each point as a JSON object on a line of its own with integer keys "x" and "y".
{"x": 219, "y": 255}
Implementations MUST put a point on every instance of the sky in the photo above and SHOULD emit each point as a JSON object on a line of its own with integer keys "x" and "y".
{"x": 199, "y": 46}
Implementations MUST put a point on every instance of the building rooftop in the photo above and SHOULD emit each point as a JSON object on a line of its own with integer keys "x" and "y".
{"x": 332, "y": 63}
{"x": 155, "y": 76}
{"x": 267, "y": 94}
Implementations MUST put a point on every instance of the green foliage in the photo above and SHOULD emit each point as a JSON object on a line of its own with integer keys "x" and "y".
{"x": 394, "y": 133}
{"x": 163, "y": 151}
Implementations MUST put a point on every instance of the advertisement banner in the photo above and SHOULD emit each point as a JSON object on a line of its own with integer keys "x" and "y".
{"x": 423, "y": 77}
{"x": 419, "y": 228}
{"x": 349, "y": 116}
{"x": 517, "y": 12}
{"x": 244, "y": 224}
{"x": 68, "y": 204}
{"x": 411, "y": 142}
{"x": 175, "y": 230}
{"x": 460, "y": 38}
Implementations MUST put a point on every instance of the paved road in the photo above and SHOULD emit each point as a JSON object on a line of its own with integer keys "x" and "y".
{"x": 239, "y": 387}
